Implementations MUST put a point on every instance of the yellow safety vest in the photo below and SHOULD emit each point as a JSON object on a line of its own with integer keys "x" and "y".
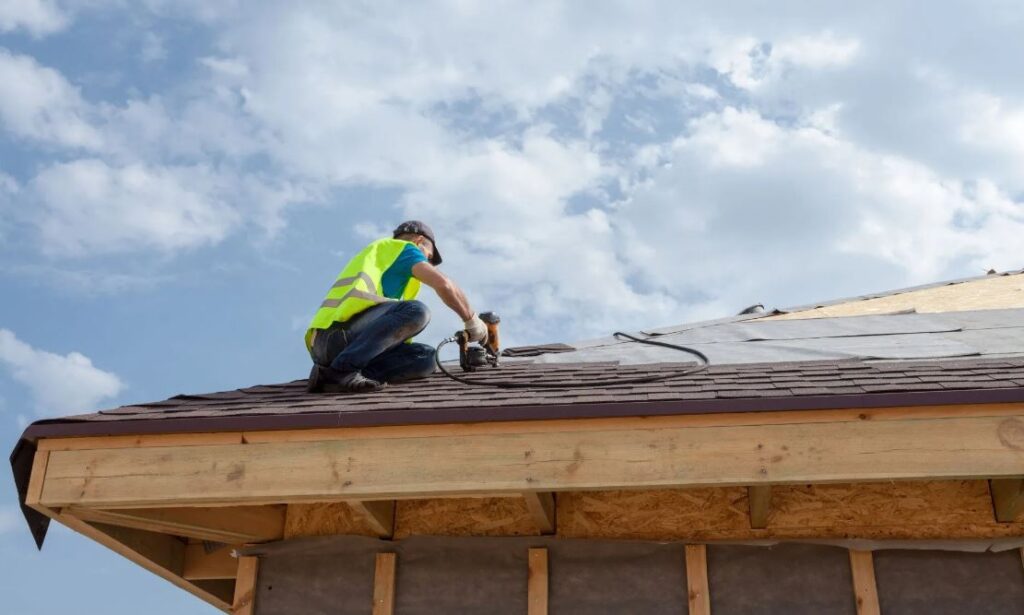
{"x": 356, "y": 288}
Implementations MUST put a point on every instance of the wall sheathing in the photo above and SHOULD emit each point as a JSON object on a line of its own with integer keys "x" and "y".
{"x": 597, "y": 577}
{"x": 923, "y": 510}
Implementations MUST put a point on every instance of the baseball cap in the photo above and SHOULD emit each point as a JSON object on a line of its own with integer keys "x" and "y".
{"x": 420, "y": 228}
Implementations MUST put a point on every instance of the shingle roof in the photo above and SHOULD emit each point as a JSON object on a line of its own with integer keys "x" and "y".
{"x": 721, "y": 388}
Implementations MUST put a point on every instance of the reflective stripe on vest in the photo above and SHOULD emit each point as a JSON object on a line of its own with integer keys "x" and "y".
{"x": 356, "y": 288}
{"x": 370, "y": 294}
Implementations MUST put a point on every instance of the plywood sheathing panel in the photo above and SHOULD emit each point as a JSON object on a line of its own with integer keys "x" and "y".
{"x": 464, "y": 517}
{"x": 996, "y": 292}
{"x": 904, "y": 510}
{"x": 326, "y": 519}
{"x": 429, "y": 517}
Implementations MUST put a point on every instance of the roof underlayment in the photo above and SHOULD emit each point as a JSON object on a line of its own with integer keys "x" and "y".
{"x": 903, "y": 336}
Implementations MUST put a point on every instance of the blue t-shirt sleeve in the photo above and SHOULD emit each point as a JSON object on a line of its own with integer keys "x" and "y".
{"x": 397, "y": 275}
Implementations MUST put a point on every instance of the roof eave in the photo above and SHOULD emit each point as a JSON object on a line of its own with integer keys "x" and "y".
{"x": 426, "y": 416}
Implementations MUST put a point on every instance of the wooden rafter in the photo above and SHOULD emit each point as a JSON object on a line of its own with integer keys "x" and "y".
{"x": 229, "y": 524}
{"x": 760, "y": 500}
{"x": 628, "y": 456}
{"x": 542, "y": 509}
{"x": 1007, "y": 498}
{"x": 380, "y": 515}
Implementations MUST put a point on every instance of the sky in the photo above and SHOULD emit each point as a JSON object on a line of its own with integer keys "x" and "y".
{"x": 181, "y": 181}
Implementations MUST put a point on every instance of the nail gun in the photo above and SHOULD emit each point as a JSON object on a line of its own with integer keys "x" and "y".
{"x": 487, "y": 352}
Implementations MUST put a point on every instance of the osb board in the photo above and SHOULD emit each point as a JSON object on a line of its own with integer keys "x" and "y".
{"x": 464, "y": 517}
{"x": 905, "y": 510}
{"x": 985, "y": 294}
{"x": 324, "y": 520}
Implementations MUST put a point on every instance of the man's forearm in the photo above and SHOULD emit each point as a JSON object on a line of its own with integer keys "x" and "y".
{"x": 446, "y": 290}
{"x": 454, "y": 298}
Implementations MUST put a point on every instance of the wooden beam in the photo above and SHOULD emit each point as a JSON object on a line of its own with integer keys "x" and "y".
{"x": 161, "y": 439}
{"x": 759, "y": 498}
{"x": 384, "y": 584}
{"x": 158, "y": 553}
{"x": 1007, "y": 498}
{"x": 245, "y": 586}
{"x": 36, "y": 480}
{"x": 542, "y": 509}
{"x": 229, "y": 525}
{"x": 537, "y": 582}
{"x": 534, "y": 426}
{"x": 368, "y": 469}
{"x": 379, "y": 514}
{"x": 200, "y": 565}
{"x": 697, "y": 580}
{"x": 863, "y": 568}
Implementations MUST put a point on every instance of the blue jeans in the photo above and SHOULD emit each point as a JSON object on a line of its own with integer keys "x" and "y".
{"x": 373, "y": 342}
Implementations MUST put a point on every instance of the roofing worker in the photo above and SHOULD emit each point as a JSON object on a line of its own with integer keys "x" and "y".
{"x": 360, "y": 338}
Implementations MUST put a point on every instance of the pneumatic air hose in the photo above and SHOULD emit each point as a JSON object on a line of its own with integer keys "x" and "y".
{"x": 576, "y": 385}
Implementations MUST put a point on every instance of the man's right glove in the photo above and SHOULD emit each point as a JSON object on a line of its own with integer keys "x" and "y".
{"x": 476, "y": 330}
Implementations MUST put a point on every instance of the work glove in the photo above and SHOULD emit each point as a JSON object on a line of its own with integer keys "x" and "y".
{"x": 476, "y": 330}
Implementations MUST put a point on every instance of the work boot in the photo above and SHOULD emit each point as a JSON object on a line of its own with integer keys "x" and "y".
{"x": 353, "y": 382}
{"x": 326, "y": 378}
{"x": 315, "y": 383}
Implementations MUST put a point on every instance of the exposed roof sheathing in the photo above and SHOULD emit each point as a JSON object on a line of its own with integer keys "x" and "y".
{"x": 994, "y": 291}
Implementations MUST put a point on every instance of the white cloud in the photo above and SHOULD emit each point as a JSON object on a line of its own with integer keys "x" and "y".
{"x": 38, "y": 103}
{"x": 60, "y": 384}
{"x": 750, "y": 62}
{"x": 88, "y": 207}
{"x": 995, "y": 124}
{"x": 820, "y": 51}
{"x": 231, "y": 67}
{"x": 693, "y": 155}
{"x": 128, "y": 197}
{"x": 760, "y": 212}
{"x": 38, "y": 17}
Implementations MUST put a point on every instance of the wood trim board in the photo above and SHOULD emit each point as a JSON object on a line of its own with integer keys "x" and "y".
{"x": 865, "y": 589}
{"x": 534, "y": 426}
{"x": 537, "y": 582}
{"x": 699, "y": 595}
{"x": 245, "y": 586}
{"x": 439, "y": 466}
{"x": 384, "y": 584}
